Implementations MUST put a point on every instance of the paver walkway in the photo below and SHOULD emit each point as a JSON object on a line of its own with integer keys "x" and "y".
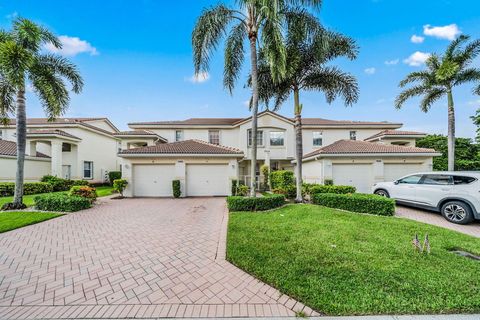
{"x": 437, "y": 219}
{"x": 131, "y": 258}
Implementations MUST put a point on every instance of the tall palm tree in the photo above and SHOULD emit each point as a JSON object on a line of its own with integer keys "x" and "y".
{"x": 22, "y": 63}
{"x": 309, "y": 49}
{"x": 259, "y": 21}
{"x": 443, "y": 73}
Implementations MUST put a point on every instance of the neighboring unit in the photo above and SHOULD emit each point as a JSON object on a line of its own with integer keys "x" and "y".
{"x": 454, "y": 194}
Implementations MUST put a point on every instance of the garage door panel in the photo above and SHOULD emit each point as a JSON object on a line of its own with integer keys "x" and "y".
{"x": 153, "y": 180}
{"x": 358, "y": 175}
{"x": 394, "y": 171}
{"x": 207, "y": 180}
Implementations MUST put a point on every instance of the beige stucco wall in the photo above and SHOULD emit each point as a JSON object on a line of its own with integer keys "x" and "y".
{"x": 34, "y": 168}
{"x": 332, "y": 135}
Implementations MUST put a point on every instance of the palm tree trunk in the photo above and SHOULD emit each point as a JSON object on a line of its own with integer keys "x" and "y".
{"x": 253, "y": 60}
{"x": 298, "y": 143}
{"x": 21, "y": 122}
{"x": 451, "y": 132}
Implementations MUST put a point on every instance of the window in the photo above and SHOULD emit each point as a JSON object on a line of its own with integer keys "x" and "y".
{"x": 411, "y": 179}
{"x": 463, "y": 180}
{"x": 88, "y": 170}
{"x": 317, "y": 139}
{"x": 66, "y": 147}
{"x": 353, "y": 135}
{"x": 437, "y": 179}
{"x": 178, "y": 135}
{"x": 214, "y": 136}
{"x": 277, "y": 138}
{"x": 259, "y": 138}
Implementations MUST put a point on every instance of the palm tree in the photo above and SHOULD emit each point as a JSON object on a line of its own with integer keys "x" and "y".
{"x": 255, "y": 20}
{"x": 442, "y": 75}
{"x": 309, "y": 48}
{"x": 22, "y": 63}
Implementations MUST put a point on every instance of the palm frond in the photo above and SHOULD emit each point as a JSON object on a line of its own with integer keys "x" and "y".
{"x": 420, "y": 76}
{"x": 210, "y": 28}
{"x": 64, "y": 68}
{"x": 234, "y": 56}
{"x": 410, "y": 93}
{"x": 14, "y": 62}
{"x": 468, "y": 75}
{"x": 273, "y": 45}
{"x": 468, "y": 54}
{"x": 431, "y": 97}
{"x": 7, "y": 100}
{"x": 454, "y": 45}
{"x": 32, "y": 36}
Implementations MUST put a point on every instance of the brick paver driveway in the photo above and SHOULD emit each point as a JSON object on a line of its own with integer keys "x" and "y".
{"x": 437, "y": 219}
{"x": 131, "y": 258}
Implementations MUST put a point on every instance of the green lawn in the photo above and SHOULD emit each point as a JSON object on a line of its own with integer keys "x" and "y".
{"x": 10, "y": 220}
{"x": 342, "y": 263}
{"x": 102, "y": 191}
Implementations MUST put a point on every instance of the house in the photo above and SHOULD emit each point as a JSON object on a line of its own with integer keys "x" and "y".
{"x": 72, "y": 148}
{"x": 205, "y": 154}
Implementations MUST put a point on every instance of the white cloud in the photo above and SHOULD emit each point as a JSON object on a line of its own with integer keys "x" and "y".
{"x": 417, "y": 39}
{"x": 448, "y": 32}
{"x": 417, "y": 58}
{"x": 392, "y": 62}
{"x": 71, "y": 46}
{"x": 474, "y": 102}
{"x": 12, "y": 15}
{"x": 370, "y": 70}
{"x": 199, "y": 78}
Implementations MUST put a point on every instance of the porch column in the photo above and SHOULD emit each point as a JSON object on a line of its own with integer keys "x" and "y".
{"x": 267, "y": 158}
{"x": 57, "y": 161}
{"x": 32, "y": 148}
{"x": 378, "y": 171}
{"x": 327, "y": 169}
{"x": 180, "y": 173}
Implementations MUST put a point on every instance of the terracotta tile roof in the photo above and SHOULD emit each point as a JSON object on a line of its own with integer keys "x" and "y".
{"x": 136, "y": 133}
{"x": 362, "y": 147}
{"x": 396, "y": 133}
{"x": 184, "y": 147}
{"x": 53, "y": 132}
{"x": 55, "y": 121}
{"x": 9, "y": 148}
{"x": 193, "y": 121}
{"x": 327, "y": 122}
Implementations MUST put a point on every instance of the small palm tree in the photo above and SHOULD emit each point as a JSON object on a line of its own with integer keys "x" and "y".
{"x": 253, "y": 20}
{"x": 442, "y": 75}
{"x": 309, "y": 49}
{"x": 22, "y": 63}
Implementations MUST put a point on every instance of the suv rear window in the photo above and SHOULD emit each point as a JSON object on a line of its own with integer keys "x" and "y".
{"x": 437, "y": 179}
{"x": 463, "y": 179}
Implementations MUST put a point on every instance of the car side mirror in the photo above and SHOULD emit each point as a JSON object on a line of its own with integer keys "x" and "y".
{"x": 396, "y": 182}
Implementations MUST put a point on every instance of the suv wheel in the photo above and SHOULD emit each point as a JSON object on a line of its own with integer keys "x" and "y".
{"x": 457, "y": 212}
{"x": 382, "y": 193}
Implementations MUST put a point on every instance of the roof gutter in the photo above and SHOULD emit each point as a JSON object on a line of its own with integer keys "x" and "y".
{"x": 179, "y": 155}
{"x": 329, "y": 155}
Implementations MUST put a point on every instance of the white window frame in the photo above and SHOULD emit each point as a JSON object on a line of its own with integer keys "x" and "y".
{"x": 353, "y": 134}
{"x": 314, "y": 138}
{"x": 260, "y": 143}
{"x": 283, "y": 139}
{"x": 177, "y": 138}
{"x": 210, "y": 138}
{"x": 91, "y": 170}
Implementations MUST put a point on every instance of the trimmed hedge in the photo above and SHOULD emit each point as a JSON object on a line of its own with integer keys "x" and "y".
{"x": 61, "y": 202}
{"x": 281, "y": 179}
{"x": 57, "y": 183}
{"x": 114, "y": 175}
{"x": 290, "y": 192}
{"x": 357, "y": 202}
{"x": 84, "y": 191}
{"x": 236, "y": 203}
{"x": 177, "y": 192}
{"x": 8, "y": 188}
{"x": 332, "y": 189}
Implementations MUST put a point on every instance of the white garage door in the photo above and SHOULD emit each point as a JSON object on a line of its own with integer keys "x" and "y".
{"x": 207, "y": 180}
{"x": 153, "y": 180}
{"x": 358, "y": 175}
{"x": 394, "y": 171}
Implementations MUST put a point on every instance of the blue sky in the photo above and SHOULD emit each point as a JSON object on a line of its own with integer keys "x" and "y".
{"x": 136, "y": 60}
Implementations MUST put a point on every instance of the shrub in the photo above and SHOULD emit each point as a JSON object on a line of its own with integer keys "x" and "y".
{"x": 242, "y": 191}
{"x": 328, "y": 182}
{"x": 177, "y": 192}
{"x": 61, "y": 202}
{"x": 332, "y": 189}
{"x": 80, "y": 183}
{"x": 357, "y": 202}
{"x": 84, "y": 191}
{"x": 289, "y": 192}
{"x": 57, "y": 183}
{"x": 114, "y": 175}
{"x": 119, "y": 185}
{"x": 8, "y": 188}
{"x": 236, "y": 203}
{"x": 266, "y": 172}
{"x": 281, "y": 179}
{"x": 234, "y": 187}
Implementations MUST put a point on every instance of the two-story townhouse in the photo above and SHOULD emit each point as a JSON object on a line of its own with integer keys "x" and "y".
{"x": 205, "y": 154}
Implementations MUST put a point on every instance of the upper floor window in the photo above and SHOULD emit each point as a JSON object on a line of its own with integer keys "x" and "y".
{"x": 259, "y": 137}
{"x": 178, "y": 135}
{"x": 214, "y": 136}
{"x": 277, "y": 138}
{"x": 317, "y": 139}
{"x": 66, "y": 147}
{"x": 353, "y": 135}
{"x": 88, "y": 170}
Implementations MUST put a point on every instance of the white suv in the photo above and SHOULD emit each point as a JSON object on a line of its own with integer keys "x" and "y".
{"x": 455, "y": 194}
